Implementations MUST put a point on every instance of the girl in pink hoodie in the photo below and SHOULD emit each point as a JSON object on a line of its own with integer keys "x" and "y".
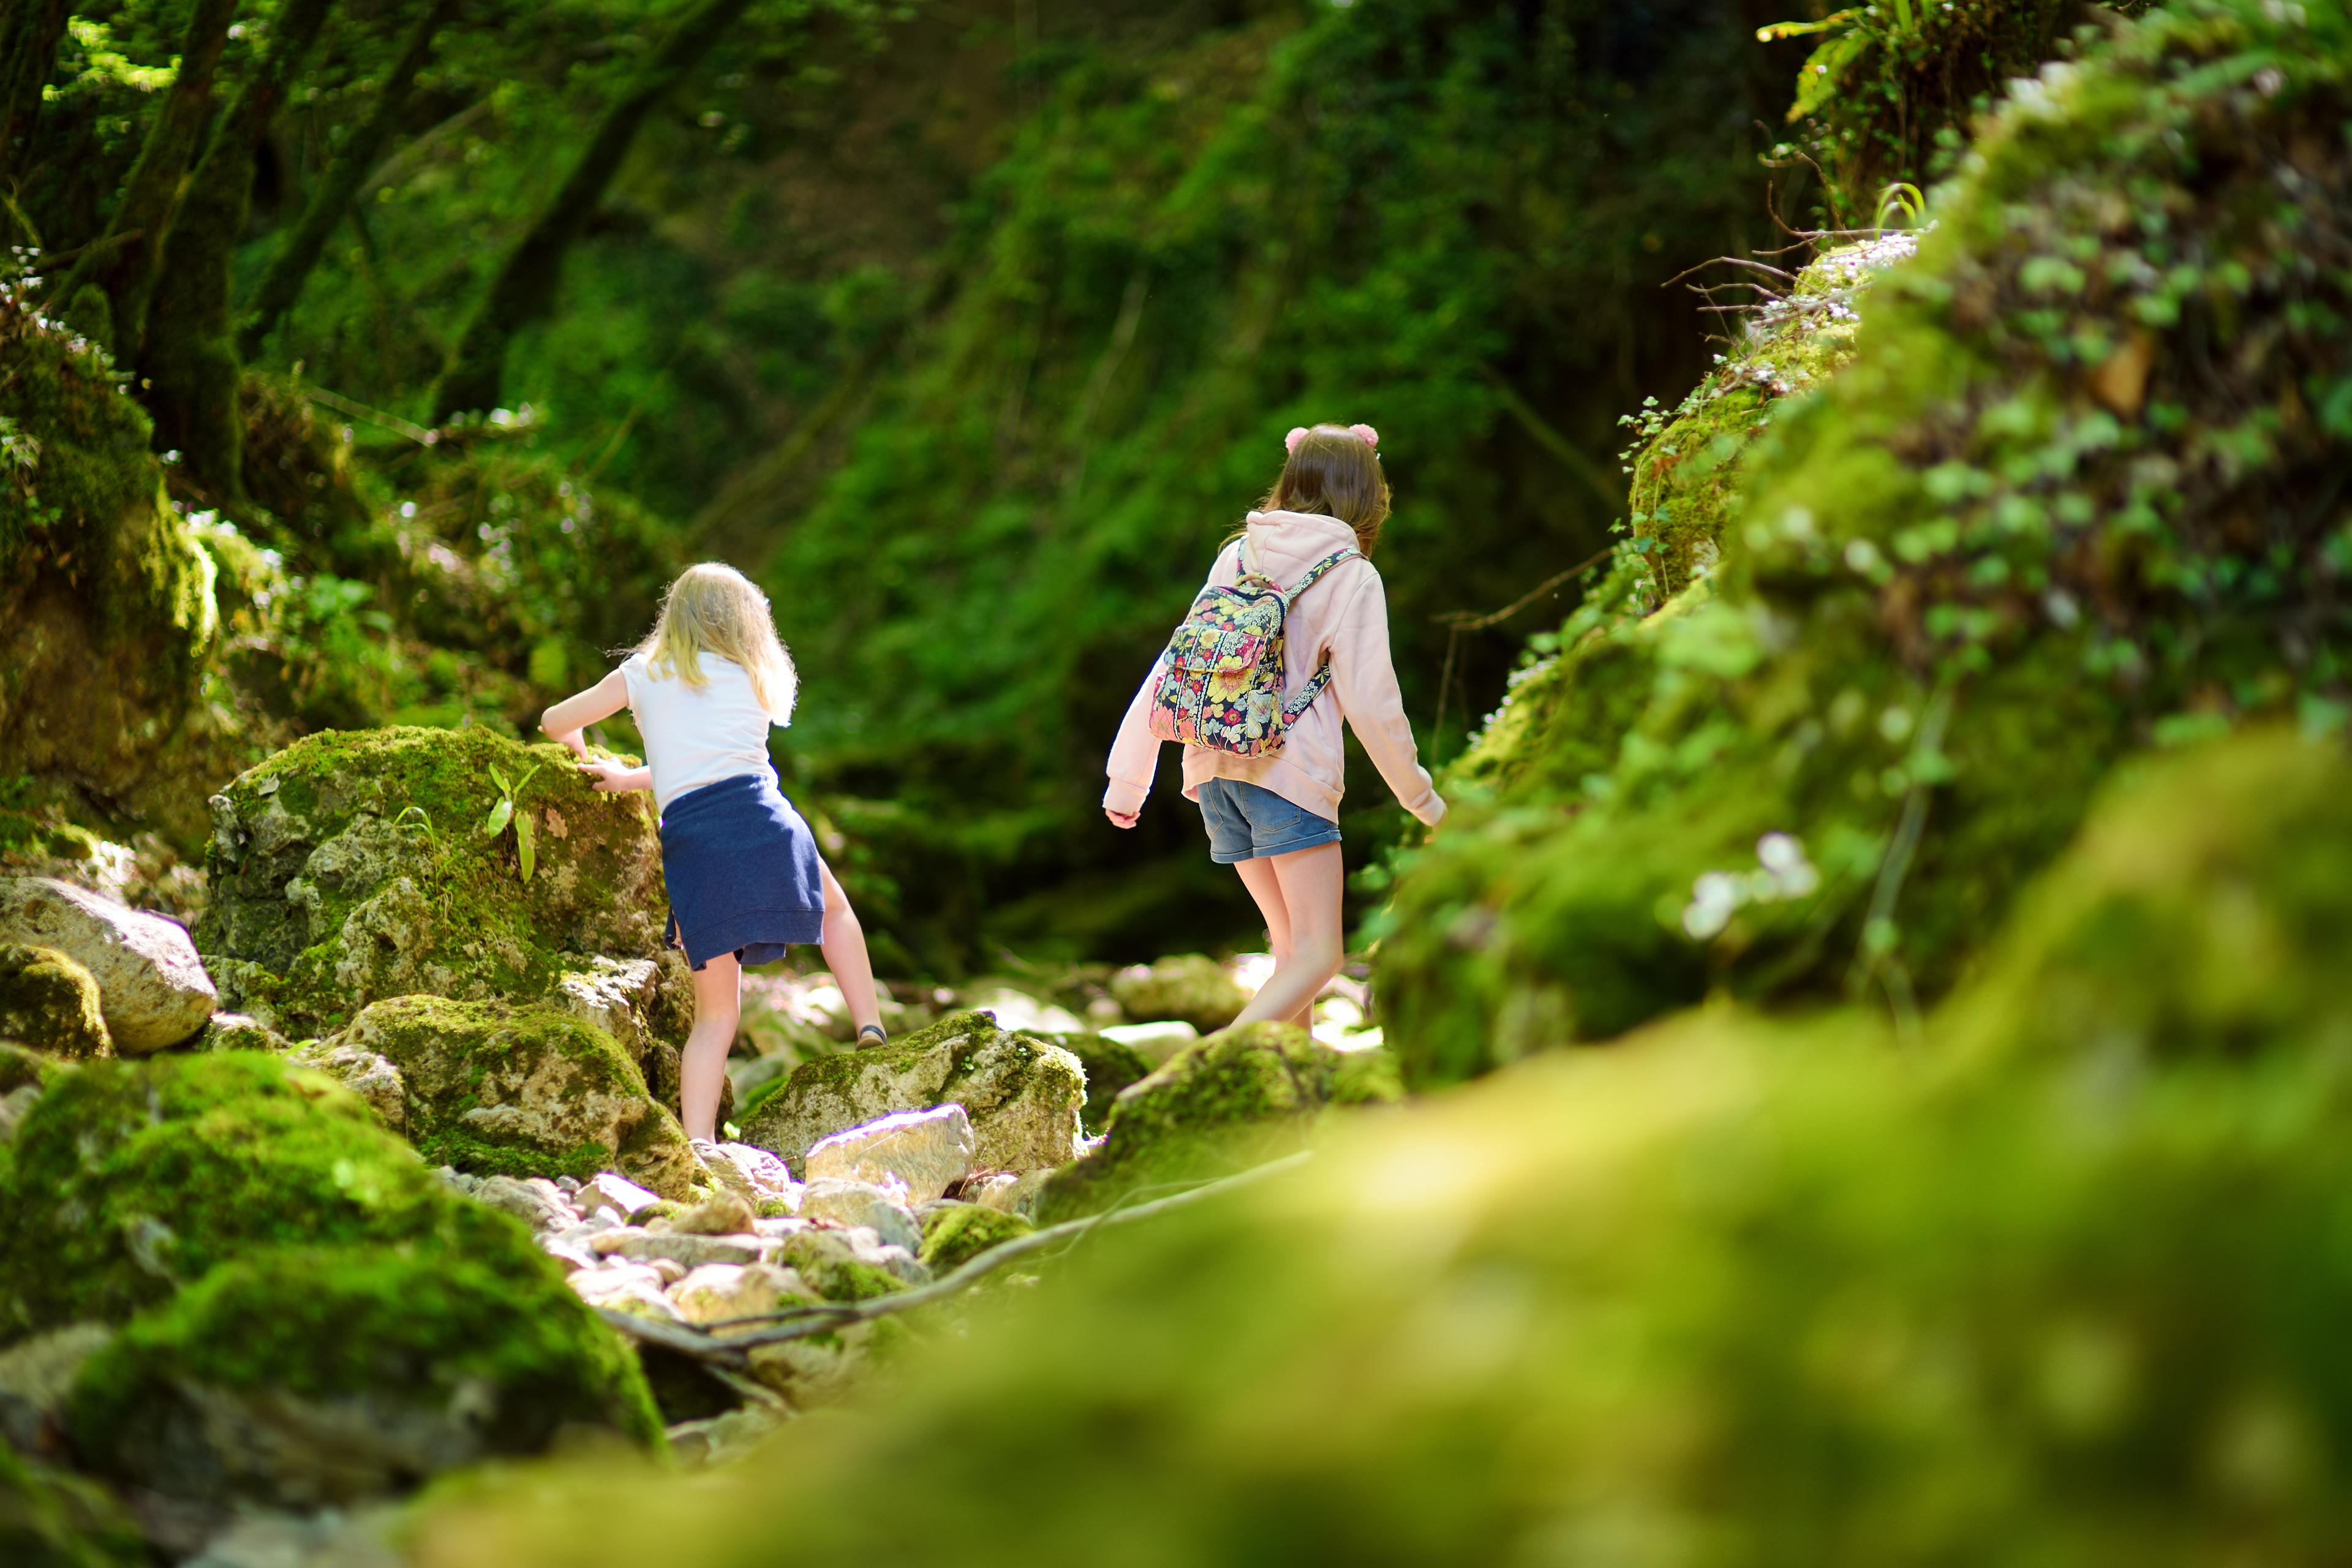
{"x": 1272, "y": 818}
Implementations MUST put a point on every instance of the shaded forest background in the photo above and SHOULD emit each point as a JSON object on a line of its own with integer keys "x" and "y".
{"x": 968, "y": 329}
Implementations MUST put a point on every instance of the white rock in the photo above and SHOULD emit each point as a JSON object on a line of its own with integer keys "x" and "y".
{"x": 537, "y": 1201}
{"x": 697, "y": 1445}
{"x": 570, "y": 1253}
{"x": 925, "y": 1152}
{"x": 638, "y": 1291}
{"x": 614, "y": 1193}
{"x": 1008, "y": 1192}
{"x": 719, "y": 1292}
{"x": 754, "y": 1173}
{"x": 1157, "y": 1041}
{"x": 153, "y": 988}
{"x": 880, "y": 1209}
{"x": 373, "y": 1078}
{"x": 36, "y": 1374}
{"x": 1018, "y": 1010}
{"x": 814, "y": 1372}
{"x": 691, "y": 1251}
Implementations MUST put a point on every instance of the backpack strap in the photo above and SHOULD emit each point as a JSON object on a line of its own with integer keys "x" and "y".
{"x": 1315, "y": 572}
{"x": 1308, "y": 693}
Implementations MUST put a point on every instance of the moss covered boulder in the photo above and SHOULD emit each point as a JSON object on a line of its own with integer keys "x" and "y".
{"x": 1109, "y": 1066}
{"x": 107, "y": 613}
{"x": 350, "y": 868}
{"x": 49, "y": 1004}
{"x": 955, "y": 1234}
{"x": 305, "y": 1379}
{"x": 1021, "y": 1093}
{"x": 516, "y": 1091}
{"x": 1189, "y": 986}
{"x": 2033, "y": 526}
{"x": 50, "y": 1519}
{"x": 1234, "y": 1100}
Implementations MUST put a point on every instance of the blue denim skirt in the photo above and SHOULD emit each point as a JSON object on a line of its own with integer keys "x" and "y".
{"x": 744, "y": 872}
{"x": 1247, "y": 821}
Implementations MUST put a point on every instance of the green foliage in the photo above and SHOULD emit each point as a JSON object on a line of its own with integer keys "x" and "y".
{"x": 51, "y": 1519}
{"x": 2034, "y": 525}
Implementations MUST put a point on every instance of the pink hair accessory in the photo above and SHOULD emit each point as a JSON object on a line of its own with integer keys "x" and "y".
{"x": 1366, "y": 434}
{"x": 1297, "y": 434}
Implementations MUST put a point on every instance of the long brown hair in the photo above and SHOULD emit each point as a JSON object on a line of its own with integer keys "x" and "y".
{"x": 1334, "y": 471}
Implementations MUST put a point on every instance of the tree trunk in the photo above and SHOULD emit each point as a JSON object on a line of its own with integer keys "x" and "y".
{"x": 524, "y": 288}
{"x": 122, "y": 267}
{"x": 190, "y": 356}
{"x": 28, "y": 53}
{"x": 282, "y": 284}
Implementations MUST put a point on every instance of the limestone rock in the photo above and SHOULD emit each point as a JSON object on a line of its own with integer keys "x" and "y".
{"x": 639, "y": 1245}
{"x": 852, "y": 1265}
{"x": 820, "y": 1371}
{"x": 374, "y": 1078}
{"x": 36, "y": 1376}
{"x": 719, "y": 1439}
{"x": 882, "y": 1210}
{"x": 717, "y": 1293}
{"x": 1189, "y": 986}
{"x": 537, "y": 1201}
{"x": 925, "y": 1152}
{"x": 753, "y": 1174}
{"x": 243, "y": 1031}
{"x": 1021, "y": 1093}
{"x": 955, "y": 1234}
{"x": 615, "y": 1194}
{"x": 721, "y": 1214}
{"x": 637, "y": 1290}
{"x": 350, "y": 867}
{"x": 1111, "y": 1065}
{"x": 153, "y": 988}
{"x": 1009, "y": 1191}
{"x": 1234, "y": 1100}
{"x": 523, "y": 1091}
{"x": 50, "y": 1003}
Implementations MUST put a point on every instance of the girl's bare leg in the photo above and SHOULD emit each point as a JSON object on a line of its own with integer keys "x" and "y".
{"x": 845, "y": 956}
{"x": 1258, "y": 877}
{"x": 717, "y": 1000}
{"x": 1309, "y": 882}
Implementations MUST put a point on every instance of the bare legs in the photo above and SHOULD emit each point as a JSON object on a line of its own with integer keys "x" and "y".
{"x": 717, "y": 985}
{"x": 1298, "y": 893}
{"x": 717, "y": 990}
{"x": 845, "y": 955}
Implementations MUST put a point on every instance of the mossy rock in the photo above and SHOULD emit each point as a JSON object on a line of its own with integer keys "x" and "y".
{"x": 2030, "y": 529}
{"x": 824, "y": 1267}
{"x": 523, "y": 1091}
{"x": 2203, "y": 910}
{"x": 50, "y": 1003}
{"x": 127, "y": 1181}
{"x": 107, "y": 614}
{"x": 22, "y": 1067}
{"x": 955, "y": 1234}
{"x": 303, "y": 1379}
{"x": 1236, "y": 1099}
{"x": 1021, "y": 1092}
{"x": 1189, "y": 986}
{"x": 1109, "y": 1069}
{"x": 50, "y": 1519}
{"x": 351, "y": 868}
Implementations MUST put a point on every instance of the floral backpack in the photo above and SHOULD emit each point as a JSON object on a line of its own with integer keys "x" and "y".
{"x": 1222, "y": 687}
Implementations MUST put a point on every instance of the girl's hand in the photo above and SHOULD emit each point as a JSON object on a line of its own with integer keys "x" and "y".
{"x": 1119, "y": 818}
{"x": 576, "y": 742}
{"x": 609, "y": 777}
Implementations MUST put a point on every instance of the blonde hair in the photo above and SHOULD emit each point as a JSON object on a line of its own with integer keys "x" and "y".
{"x": 714, "y": 609}
{"x": 1335, "y": 471}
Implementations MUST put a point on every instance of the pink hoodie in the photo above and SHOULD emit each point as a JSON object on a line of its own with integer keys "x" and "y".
{"x": 1346, "y": 615}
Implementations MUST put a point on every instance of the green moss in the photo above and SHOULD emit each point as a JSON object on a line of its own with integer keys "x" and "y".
{"x": 955, "y": 1235}
{"x": 52, "y": 1519}
{"x": 2003, "y": 548}
{"x": 50, "y": 1003}
{"x": 130, "y": 1180}
{"x": 1367, "y": 1077}
{"x": 523, "y": 1091}
{"x": 21, "y": 1066}
{"x": 488, "y": 1358}
{"x": 1109, "y": 1068}
{"x": 353, "y": 866}
{"x": 1232, "y": 1101}
{"x": 832, "y": 1275}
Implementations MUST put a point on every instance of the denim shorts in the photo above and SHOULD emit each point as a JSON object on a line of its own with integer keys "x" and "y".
{"x": 1246, "y": 821}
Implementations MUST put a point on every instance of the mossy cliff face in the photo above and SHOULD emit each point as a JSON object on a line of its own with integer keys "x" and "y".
{"x": 2039, "y": 521}
{"x": 1021, "y": 1093}
{"x": 1234, "y": 1100}
{"x": 353, "y": 866}
{"x": 519, "y": 1091}
{"x": 106, "y": 599}
{"x": 1742, "y": 1293}
{"x": 310, "y": 1315}
{"x": 49, "y": 1003}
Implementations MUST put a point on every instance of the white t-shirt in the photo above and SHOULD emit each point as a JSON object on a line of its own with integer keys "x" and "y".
{"x": 697, "y": 735}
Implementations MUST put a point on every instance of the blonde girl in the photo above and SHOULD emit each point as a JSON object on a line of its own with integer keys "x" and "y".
{"x": 1274, "y": 817}
{"x": 744, "y": 876}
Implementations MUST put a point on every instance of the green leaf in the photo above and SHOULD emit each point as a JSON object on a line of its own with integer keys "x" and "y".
{"x": 525, "y": 779}
{"x": 500, "y": 815}
{"x": 500, "y": 780}
{"x": 527, "y": 841}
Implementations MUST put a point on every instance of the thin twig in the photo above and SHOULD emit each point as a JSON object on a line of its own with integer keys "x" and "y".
{"x": 376, "y": 417}
{"x": 1464, "y": 620}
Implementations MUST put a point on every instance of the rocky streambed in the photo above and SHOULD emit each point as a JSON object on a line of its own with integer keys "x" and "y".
{"x": 374, "y": 1173}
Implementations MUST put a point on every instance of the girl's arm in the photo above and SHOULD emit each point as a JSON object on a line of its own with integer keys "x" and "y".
{"x": 563, "y": 722}
{"x": 1367, "y": 684}
{"x": 1134, "y": 756}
